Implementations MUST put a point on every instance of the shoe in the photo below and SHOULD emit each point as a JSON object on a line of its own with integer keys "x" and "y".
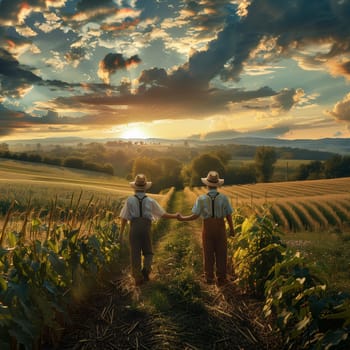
{"x": 145, "y": 275}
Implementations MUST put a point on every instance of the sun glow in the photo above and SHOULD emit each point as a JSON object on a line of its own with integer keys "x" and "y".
{"x": 133, "y": 132}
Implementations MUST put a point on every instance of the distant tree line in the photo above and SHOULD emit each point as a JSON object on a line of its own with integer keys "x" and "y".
{"x": 67, "y": 161}
{"x": 182, "y": 165}
{"x": 336, "y": 166}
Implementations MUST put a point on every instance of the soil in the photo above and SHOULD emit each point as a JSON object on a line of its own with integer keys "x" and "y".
{"x": 110, "y": 320}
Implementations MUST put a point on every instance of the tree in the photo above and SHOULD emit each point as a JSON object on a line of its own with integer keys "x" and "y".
{"x": 73, "y": 162}
{"x": 337, "y": 166}
{"x": 265, "y": 158}
{"x": 170, "y": 172}
{"x": 151, "y": 169}
{"x": 244, "y": 174}
{"x": 202, "y": 164}
{"x": 223, "y": 155}
{"x": 311, "y": 171}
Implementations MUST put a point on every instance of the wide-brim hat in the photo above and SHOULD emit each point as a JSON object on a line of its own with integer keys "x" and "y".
{"x": 212, "y": 179}
{"x": 140, "y": 182}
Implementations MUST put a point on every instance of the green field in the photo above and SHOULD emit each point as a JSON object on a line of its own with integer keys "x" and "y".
{"x": 60, "y": 249}
{"x": 307, "y": 212}
{"x": 41, "y": 186}
{"x": 328, "y": 254}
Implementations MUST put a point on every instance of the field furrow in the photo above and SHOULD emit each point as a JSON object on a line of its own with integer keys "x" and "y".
{"x": 296, "y": 205}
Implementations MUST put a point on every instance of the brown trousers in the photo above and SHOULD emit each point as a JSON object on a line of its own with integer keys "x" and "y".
{"x": 140, "y": 243}
{"x": 214, "y": 241}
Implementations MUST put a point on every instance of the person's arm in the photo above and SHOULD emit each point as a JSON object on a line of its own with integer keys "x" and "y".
{"x": 170, "y": 216}
{"x": 230, "y": 224}
{"x": 188, "y": 217}
{"x": 159, "y": 212}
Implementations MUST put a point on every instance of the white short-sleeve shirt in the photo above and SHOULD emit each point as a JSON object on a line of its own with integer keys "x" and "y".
{"x": 150, "y": 208}
{"x": 203, "y": 205}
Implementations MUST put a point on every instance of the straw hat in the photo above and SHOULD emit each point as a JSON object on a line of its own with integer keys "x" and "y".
{"x": 212, "y": 179}
{"x": 140, "y": 182}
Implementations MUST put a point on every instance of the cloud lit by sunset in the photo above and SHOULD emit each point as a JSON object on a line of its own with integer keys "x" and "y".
{"x": 178, "y": 68}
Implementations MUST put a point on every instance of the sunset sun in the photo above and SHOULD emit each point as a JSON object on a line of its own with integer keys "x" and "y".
{"x": 134, "y": 132}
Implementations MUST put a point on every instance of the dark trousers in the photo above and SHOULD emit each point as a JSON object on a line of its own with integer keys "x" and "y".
{"x": 214, "y": 248}
{"x": 140, "y": 244}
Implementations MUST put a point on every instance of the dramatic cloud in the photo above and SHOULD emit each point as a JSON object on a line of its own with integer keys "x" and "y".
{"x": 287, "y": 98}
{"x": 113, "y": 62}
{"x": 185, "y": 60}
{"x": 341, "y": 110}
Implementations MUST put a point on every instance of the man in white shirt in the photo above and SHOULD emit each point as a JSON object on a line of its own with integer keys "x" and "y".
{"x": 213, "y": 208}
{"x": 140, "y": 210}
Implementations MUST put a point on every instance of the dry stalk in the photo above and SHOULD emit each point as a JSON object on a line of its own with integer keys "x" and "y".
{"x": 7, "y": 218}
{"x": 75, "y": 211}
{"x": 52, "y": 209}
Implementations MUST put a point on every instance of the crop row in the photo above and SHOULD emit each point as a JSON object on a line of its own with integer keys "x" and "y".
{"x": 312, "y": 214}
{"x": 305, "y": 312}
{"x": 295, "y": 206}
{"x": 270, "y": 191}
{"x": 50, "y": 258}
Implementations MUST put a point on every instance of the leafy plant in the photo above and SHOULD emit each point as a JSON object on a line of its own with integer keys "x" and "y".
{"x": 40, "y": 280}
{"x": 256, "y": 248}
{"x": 303, "y": 308}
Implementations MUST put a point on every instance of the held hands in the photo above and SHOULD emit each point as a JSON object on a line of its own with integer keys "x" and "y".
{"x": 180, "y": 217}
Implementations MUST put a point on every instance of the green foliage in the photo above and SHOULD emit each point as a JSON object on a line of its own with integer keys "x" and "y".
{"x": 74, "y": 162}
{"x": 256, "y": 248}
{"x": 303, "y": 308}
{"x": 334, "y": 167}
{"x": 201, "y": 165}
{"x": 312, "y": 170}
{"x": 244, "y": 174}
{"x": 307, "y": 316}
{"x": 40, "y": 280}
{"x": 337, "y": 166}
{"x": 164, "y": 172}
{"x": 265, "y": 158}
{"x": 170, "y": 169}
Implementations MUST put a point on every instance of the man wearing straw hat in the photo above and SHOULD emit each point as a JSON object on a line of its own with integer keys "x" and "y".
{"x": 213, "y": 208}
{"x": 140, "y": 210}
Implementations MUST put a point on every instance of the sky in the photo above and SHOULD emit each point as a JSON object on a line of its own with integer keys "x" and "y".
{"x": 174, "y": 69}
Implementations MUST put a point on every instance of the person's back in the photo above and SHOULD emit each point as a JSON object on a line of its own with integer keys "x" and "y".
{"x": 140, "y": 210}
{"x": 213, "y": 208}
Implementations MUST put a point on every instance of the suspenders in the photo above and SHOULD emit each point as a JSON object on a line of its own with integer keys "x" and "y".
{"x": 140, "y": 203}
{"x": 212, "y": 203}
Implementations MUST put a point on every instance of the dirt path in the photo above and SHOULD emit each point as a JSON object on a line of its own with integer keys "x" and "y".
{"x": 173, "y": 311}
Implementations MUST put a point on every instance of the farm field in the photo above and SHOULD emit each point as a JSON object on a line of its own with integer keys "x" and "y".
{"x": 118, "y": 315}
{"x": 40, "y": 185}
{"x": 70, "y": 221}
{"x": 313, "y": 216}
{"x": 22, "y": 172}
{"x": 328, "y": 255}
{"x": 45, "y": 181}
{"x": 297, "y": 206}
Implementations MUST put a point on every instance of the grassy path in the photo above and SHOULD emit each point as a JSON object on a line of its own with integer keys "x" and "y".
{"x": 175, "y": 310}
